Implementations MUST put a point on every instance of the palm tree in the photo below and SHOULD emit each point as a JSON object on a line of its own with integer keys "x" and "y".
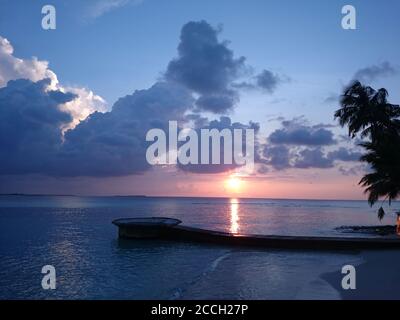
{"x": 367, "y": 111}
{"x": 383, "y": 156}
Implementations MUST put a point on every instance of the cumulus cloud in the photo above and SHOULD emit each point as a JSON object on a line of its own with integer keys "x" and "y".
{"x": 86, "y": 103}
{"x": 295, "y": 132}
{"x": 114, "y": 143}
{"x": 67, "y": 131}
{"x": 300, "y": 145}
{"x": 206, "y": 66}
{"x": 312, "y": 158}
{"x": 86, "y": 142}
{"x": 31, "y": 118}
{"x": 47, "y": 128}
{"x": 374, "y": 72}
{"x": 105, "y": 144}
{"x": 12, "y": 68}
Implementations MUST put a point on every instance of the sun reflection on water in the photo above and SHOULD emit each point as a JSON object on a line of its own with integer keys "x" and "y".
{"x": 234, "y": 216}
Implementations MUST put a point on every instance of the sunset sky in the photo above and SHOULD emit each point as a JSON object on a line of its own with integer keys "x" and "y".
{"x": 81, "y": 98}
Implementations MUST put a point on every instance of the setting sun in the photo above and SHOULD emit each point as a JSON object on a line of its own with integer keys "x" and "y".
{"x": 234, "y": 184}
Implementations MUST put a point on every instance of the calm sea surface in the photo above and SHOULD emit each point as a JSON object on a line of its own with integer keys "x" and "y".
{"x": 75, "y": 235}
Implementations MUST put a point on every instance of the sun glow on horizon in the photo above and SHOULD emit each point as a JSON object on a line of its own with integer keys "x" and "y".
{"x": 234, "y": 184}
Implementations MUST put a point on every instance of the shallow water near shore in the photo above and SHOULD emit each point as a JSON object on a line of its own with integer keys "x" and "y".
{"x": 75, "y": 235}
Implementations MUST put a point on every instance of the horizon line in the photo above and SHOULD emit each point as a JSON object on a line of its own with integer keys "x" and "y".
{"x": 170, "y": 196}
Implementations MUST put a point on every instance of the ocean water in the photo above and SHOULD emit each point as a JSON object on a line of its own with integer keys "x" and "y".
{"x": 75, "y": 235}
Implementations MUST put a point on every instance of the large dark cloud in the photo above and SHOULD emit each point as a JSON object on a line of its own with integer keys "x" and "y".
{"x": 207, "y": 66}
{"x": 297, "y": 133}
{"x": 105, "y": 144}
{"x": 30, "y": 122}
{"x": 34, "y": 118}
{"x": 114, "y": 143}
